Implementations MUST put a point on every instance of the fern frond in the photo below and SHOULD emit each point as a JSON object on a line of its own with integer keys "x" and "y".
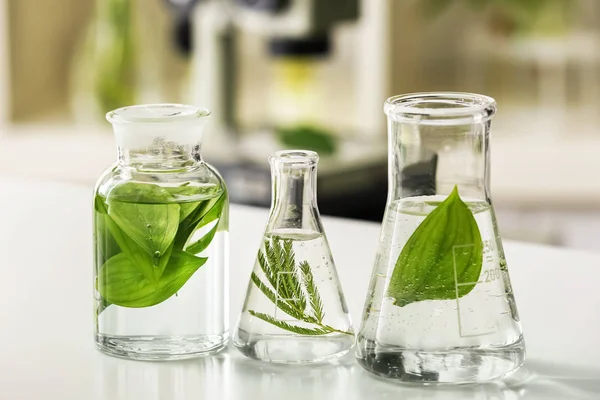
{"x": 277, "y": 249}
{"x": 315, "y": 299}
{"x": 264, "y": 265}
{"x": 289, "y": 327}
{"x": 292, "y": 287}
{"x": 277, "y": 266}
{"x": 281, "y": 304}
{"x": 292, "y": 281}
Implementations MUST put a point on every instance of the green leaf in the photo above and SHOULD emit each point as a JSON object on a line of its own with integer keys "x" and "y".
{"x": 434, "y": 8}
{"x": 203, "y": 243}
{"x": 122, "y": 283}
{"x": 152, "y": 226}
{"x": 308, "y": 137}
{"x": 442, "y": 259}
{"x": 207, "y": 212}
{"x": 99, "y": 205}
{"x": 151, "y": 266}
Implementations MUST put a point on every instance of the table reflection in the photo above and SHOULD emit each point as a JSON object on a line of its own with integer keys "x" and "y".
{"x": 127, "y": 380}
{"x": 231, "y": 376}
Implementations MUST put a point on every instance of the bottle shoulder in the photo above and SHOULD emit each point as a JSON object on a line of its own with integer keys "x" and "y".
{"x": 202, "y": 175}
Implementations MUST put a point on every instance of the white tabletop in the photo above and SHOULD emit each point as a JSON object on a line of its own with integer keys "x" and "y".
{"x": 46, "y": 321}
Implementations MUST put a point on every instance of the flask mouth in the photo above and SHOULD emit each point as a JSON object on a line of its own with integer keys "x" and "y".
{"x": 294, "y": 158}
{"x": 145, "y": 113}
{"x": 440, "y": 108}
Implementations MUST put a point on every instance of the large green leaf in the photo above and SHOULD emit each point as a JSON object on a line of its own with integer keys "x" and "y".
{"x": 120, "y": 282}
{"x": 152, "y": 226}
{"x": 150, "y": 265}
{"x": 146, "y": 193}
{"x": 443, "y": 257}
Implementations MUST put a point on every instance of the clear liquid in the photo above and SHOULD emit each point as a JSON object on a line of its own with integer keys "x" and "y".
{"x": 192, "y": 322}
{"x": 264, "y": 341}
{"x": 473, "y": 338}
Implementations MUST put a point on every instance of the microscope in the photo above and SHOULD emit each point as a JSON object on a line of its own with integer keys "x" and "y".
{"x": 280, "y": 74}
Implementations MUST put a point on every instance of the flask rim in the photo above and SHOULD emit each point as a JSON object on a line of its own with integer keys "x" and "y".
{"x": 294, "y": 158}
{"x": 157, "y": 113}
{"x": 440, "y": 108}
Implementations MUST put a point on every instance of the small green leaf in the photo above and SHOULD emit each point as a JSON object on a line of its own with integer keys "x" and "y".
{"x": 207, "y": 212}
{"x": 308, "y": 137}
{"x": 104, "y": 243}
{"x": 442, "y": 259}
{"x": 203, "y": 243}
{"x": 185, "y": 192}
{"x": 122, "y": 283}
{"x": 99, "y": 205}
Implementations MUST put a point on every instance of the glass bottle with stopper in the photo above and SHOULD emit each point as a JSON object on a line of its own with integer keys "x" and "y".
{"x": 160, "y": 239}
{"x": 440, "y": 307}
{"x": 294, "y": 311}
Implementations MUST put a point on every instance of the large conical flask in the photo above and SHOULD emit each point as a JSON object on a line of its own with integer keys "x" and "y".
{"x": 440, "y": 306}
{"x": 295, "y": 311}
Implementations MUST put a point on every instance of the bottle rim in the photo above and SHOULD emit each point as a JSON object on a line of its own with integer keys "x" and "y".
{"x": 440, "y": 108}
{"x": 157, "y": 113}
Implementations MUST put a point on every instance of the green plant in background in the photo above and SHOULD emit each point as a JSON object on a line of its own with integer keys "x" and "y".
{"x": 543, "y": 16}
{"x": 308, "y": 137}
{"x": 442, "y": 258}
{"x": 143, "y": 236}
{"x": 291, "y": 287}
{"x": 114, "y": 69}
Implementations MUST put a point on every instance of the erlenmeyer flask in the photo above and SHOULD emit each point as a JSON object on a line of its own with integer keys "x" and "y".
{"x": 440, "y": 306}
{"x": 295, "y": 311}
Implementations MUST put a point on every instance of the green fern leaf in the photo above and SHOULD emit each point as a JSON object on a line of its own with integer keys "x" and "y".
{"x": 289, "y": 327}
{"x": 309, "y": 284}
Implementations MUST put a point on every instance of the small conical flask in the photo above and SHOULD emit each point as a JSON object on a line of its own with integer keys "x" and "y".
{"x": 294, "y": 311}
{"x": 440, "y": 307}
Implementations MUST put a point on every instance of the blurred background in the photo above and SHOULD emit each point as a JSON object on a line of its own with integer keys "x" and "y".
{"x": 314, "y": 74}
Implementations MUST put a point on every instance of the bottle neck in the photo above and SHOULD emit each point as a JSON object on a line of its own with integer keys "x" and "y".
{"x": 161, "y": 155}
{"x": 294, "y": 198}
{"x": 159, "y": 145}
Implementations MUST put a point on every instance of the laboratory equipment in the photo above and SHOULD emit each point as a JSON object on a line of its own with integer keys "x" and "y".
{"x": 294, "y": 311}
{"x": 288, "y": 75}
{"x": 440, "y": 306}
{"x": 160, "y": 239}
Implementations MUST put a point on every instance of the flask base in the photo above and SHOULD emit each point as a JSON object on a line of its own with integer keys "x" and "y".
{"x": 293, "y": 349}
{"x": 161, "y": 348}
{"x": 452, "y": 366}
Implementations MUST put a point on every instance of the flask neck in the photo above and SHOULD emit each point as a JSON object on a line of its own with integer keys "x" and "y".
{"x": 437, "y": 142}
{"x": 294, "y": 193}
